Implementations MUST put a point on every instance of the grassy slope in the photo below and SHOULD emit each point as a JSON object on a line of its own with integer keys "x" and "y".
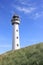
{"x": 32, "y": 55}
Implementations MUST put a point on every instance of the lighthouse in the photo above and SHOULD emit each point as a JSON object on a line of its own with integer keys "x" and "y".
{"x": 15, "y": 38}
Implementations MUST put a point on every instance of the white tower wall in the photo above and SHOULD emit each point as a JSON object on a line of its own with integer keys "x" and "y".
{"x": 15, "y": 42}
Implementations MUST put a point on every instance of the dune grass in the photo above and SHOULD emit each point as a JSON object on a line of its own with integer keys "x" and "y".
{"x": 32, "y": 55}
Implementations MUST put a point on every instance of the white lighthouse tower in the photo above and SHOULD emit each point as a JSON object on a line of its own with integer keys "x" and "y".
{"x": 15, "y": 41}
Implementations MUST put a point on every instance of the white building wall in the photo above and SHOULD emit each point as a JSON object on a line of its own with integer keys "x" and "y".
{"x": 15, "y": 41}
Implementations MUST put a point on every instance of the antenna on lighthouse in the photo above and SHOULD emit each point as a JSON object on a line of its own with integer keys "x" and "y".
{"x": 15, "y": 23}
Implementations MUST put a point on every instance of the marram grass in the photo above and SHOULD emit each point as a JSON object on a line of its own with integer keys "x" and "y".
{"x": 32, "y": 55}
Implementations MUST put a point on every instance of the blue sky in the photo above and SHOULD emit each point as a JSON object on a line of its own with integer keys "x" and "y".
{"x": 31, "y": 26}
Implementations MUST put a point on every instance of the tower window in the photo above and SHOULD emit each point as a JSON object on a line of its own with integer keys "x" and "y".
{"x": 17, "y": 30}
{"x": 17, "y": 44}
{"x": 17, "y": 37}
